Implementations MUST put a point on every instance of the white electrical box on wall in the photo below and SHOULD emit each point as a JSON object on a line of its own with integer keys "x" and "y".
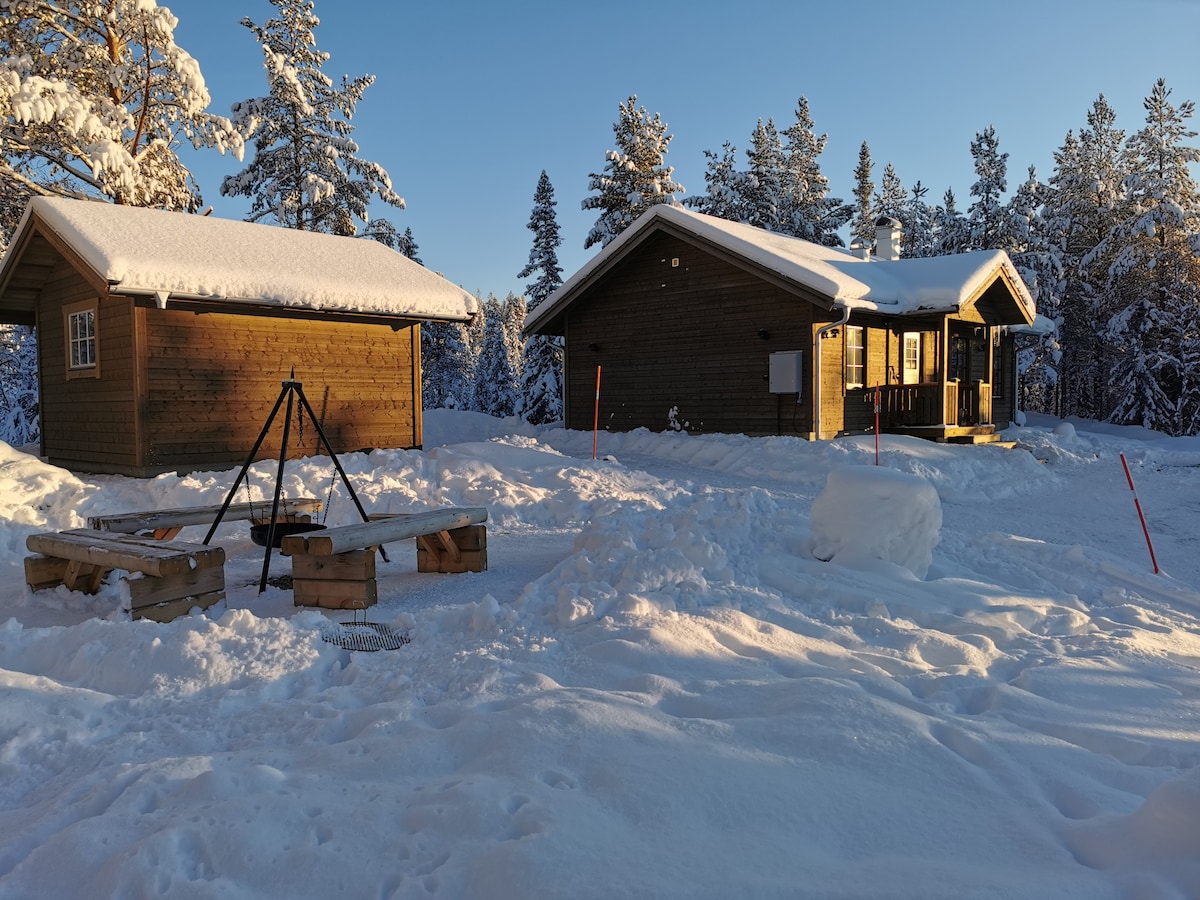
{"x": 786, "y": 372}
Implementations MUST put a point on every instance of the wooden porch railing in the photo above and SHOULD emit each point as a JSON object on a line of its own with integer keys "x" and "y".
{"x": 967, "y": 403}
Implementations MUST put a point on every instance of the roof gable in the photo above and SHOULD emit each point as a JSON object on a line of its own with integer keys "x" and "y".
{"x": 827, "y": 276}
{"x": 170, "y": 254}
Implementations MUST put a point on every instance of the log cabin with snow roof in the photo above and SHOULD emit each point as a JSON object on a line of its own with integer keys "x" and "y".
{"x": 703, "y": 324}
{"x": 164, "y": 337}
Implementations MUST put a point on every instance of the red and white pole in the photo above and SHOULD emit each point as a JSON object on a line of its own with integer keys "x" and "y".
{"x": 596, "y": 420}
{"x": 1141, "y": 516}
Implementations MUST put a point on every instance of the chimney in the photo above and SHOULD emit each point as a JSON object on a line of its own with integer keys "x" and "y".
{"x": 860, "y": 248}
{"x": 887, "y": 238}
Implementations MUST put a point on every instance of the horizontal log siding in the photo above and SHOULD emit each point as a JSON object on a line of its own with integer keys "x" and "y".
{"x": 212, "y": 380}
{"x": 87, "y": 423}
{"x": 684, "y": 336}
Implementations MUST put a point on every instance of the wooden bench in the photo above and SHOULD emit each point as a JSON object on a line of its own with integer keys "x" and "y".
{"x": 176, "y": 575}
{"x": 335, "y": 568}
{"x": 165, "y": 524}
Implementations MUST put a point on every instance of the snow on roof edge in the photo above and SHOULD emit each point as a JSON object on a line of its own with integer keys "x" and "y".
{"x": 149, "y": 251}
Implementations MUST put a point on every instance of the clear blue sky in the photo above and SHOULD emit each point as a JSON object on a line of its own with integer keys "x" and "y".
{"x": 472, "y": 100}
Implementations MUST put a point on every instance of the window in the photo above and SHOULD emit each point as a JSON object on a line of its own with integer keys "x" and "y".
{"x": 912, "y": 357}
{"x": 855, "y": 356}
{"x": 81, "y": 344}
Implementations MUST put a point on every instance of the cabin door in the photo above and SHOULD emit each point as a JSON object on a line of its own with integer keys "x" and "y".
{"x": 911, "y": 371}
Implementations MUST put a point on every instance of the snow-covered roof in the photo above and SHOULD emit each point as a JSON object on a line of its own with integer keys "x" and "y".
{"x": 942, "y": 284}
{"x": 149, "y": 251}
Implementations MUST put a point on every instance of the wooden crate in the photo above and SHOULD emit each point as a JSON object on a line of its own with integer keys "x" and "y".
{"x": 341, "y": 581}
{"x": 457, "y": 550}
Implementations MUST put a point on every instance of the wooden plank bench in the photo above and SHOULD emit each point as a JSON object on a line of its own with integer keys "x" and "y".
{"x": 175, "y": 575}
{"x": 335, "y": 568}
{"x": 165, "y": 524}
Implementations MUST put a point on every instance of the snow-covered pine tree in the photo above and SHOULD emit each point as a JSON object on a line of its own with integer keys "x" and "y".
{"x": 953, "y": 230}
{"x": 447, "y": 366}
{"x": 19, "y": 404}
{"x": 1154, "y": 276}
{"x": 513, "y": 310}
{"x": 96, "y": 99}
{"x": 495, "y": 379}
{"x": 543, "y": 255}
{"x": 762, "y": 190}
{"x": 1084, "y": 200}
{"x": 540, "y": 398}
{"x": 892, "y": 198}
{"x": 987, "y": 216}
{"x": 408, "y": 246}
{"x": 920, "y": 237}
{"x": 635, "y": 176}
{"x": 809, "y": 212}
{"x": 725, "y": 186}
{"x": 862, "y": 223}
{"x": 1040, "y": 266}
{"x": 306, "y": 173}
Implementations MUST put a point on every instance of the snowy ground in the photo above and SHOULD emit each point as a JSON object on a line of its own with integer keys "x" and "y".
{"x": 656, "y": 690}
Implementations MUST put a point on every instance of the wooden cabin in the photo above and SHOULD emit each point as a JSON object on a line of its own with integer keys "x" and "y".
{"x": 164, "y": 338}
{"x": 699, "y": 323}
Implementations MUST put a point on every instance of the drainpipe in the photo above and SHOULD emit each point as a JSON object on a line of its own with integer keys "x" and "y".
{"x": 817, "y": 387}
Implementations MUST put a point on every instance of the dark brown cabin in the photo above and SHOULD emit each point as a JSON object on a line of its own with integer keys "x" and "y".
{"x": 164, "y": 338}
{"x": 699, "y": 323}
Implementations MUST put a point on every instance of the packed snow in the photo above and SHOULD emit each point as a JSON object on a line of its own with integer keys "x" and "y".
{"x": 696, "y": 667}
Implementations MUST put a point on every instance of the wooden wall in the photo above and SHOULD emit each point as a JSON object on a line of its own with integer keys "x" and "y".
{"x": 684, "y": 336}
{"x": 211, "y": 379}
{"x": 87, "y": 423}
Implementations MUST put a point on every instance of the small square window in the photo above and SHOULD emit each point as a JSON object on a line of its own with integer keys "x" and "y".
{"x": 855, "y": 356}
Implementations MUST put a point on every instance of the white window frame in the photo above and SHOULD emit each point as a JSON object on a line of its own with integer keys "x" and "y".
{"x": 856, "y": 340}
{"x": 81, "y": 339}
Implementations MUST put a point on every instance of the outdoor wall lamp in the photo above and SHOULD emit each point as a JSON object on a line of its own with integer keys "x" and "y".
{"x": 764, "y": 334}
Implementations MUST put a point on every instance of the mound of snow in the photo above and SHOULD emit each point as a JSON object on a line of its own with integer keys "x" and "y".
{"x": 869, "y": 512}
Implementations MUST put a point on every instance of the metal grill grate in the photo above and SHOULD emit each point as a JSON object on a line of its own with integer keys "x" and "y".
{"x": 366, "y": 636}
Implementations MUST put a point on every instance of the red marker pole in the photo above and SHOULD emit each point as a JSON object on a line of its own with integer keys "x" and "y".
{"x": 877, "y": 404}
{"x": 1141, "y": 516}
{"x": 596, "y": 421}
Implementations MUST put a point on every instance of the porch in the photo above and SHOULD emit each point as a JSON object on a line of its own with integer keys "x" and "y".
{"x": 954, "y": 411}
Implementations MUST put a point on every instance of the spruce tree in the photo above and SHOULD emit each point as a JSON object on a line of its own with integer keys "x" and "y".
{"x": 862, "y": 225}
{"x": 1154, "y": 276}
{"x": 635, "y": 176}
{"x": 495, "y": 380}
{"x": 540, "y": 398}
{"x": 763, "y": 193}
{"x": 447, "y": 366}
{"x": 920, "y": 235}
{"x": 724, "y": 196}
{"x": 986, "y": 215}
{"x": 306, "y": 173}
{"x": 953, "y": 229}
{"x": 808, "y": 210}
{"x": 892, "y": 199}
{"x": 19, "y": 403}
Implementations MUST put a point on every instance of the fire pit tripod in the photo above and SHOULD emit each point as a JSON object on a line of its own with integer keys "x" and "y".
{"x": 293, "y": 392}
